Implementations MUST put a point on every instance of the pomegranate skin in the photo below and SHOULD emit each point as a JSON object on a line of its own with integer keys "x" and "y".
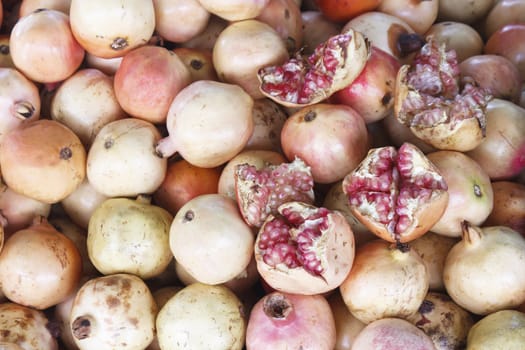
{"x": 288, "y": 321}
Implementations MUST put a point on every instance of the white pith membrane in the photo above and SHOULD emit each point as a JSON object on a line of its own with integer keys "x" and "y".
{"x": 390, "y": 187}
{"x": 261, "y": 191}
{"x": 302, "y": 81}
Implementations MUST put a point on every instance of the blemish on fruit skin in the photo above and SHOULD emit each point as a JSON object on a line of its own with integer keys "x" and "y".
{"x": 477, "y": 191}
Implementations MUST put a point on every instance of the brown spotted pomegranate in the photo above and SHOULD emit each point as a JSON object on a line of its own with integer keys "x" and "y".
{"x": 397, "y": 194}
{"x": 304, "y": 249}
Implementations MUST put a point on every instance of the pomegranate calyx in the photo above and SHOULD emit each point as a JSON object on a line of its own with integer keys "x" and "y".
{"x": 277, "y": 306}
{"x": 303, "y": 81}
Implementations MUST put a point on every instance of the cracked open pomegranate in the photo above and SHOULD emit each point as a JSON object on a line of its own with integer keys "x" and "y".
{"x": 260, "y": 192}
{"x": 432, "y": 102}
{"x": 303, "y": 81}
{"x": 304, "y": 249}
{"x": 397, "y": 194}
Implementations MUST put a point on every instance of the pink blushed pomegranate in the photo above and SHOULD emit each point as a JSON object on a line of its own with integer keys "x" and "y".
{"x": 397, "y": 194}
{"x": 331, "y": 138}
{"x": 288, "y": 321}
{"x": 303, "y": 81}
{"x": 260, "y": 192}
{"x": 430, "y": 100}
{"x": 304, "y": 249}
{"x": 371, "y": 94}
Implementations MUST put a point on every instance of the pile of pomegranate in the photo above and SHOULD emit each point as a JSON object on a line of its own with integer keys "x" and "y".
{"x": 270, "y": 174}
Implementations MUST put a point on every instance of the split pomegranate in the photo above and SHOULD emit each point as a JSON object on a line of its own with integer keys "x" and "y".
{"x": 304, "y": 249}
{"x": 303, "y": 81}
{"x": 430, "y": 100}
{"x": 398, "y": 194}
{"x": 392, "y": 273}
{"x": 290, "y": 321}
{"x": 482, "y": 272}
{"x": 260, "y": 192}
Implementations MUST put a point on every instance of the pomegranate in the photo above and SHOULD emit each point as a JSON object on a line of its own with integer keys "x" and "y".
{"x": 290, "y": 321}
{"x": 235, "y": 10}
{"x": 303, "y": 81}
{"x": 509, "y": 201}
{"x": 184, "y": 181}
{"x": 457, "y": 36}
{"x": 81, "y": 203}
{"x": 241, "y": 49}
{"x": 19, "y": 100}
{"x": 419, "y": 15}
{"x": 499, "y": 329}
{"x": 482, "y": 272}
{"x": 347, "y": 327}
{"x": 117, "y": 241}
{"x": 397, "y": 194}
{"x": 147, "y": 80}
{"x": 107, "y": 65}
{"x": 304, "y": 249}
{"x": 5, "y": 55}
{"x": 444, "y": 321}
{"x": 122, "y": 160}
{"x": 57, "y": 55}
{"x": 43, "y": 160}
{"x": 392, "y": 273}
{"x": 115, "y": 311}
{"x": 451, "y": 10}
{"x": 433, "y": 249}
{"x": 285, "y": 17}
{"x": 260, "y": 192}
{"x": 112, "y": 29}
{"x": 25, "y": 327}
{"x": 502, "y": 153}
{"x": 85, "y": 102}
{"x": 202, "y": 316}
{"x": 470, "y": 195}
{"x": 398, "y": 133}
{"x": 331, "y": 138}
{"x": 502, "y": 13}
{"x": 192, "y": 19}
{"x": 207, "y": 38}
{"x": 208, "y": 123}
{"x": 209, "y": 231}
{"x": 371, "y": 94}
{"x": 316, "y": 29}
{"x": 199, "y": 63}
{"x": 430, "y": 100}
{"x": 392, "y": 334}
{"x": 39, "y": 266}
{"x": 28, "y": 6}
{"x": 258, "y": 158}
{"x": 268, "y": 119}
{"x": 509, "y": 42}
{"x": 497, "y": 74}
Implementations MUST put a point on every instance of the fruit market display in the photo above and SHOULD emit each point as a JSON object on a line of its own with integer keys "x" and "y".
{"x": 262, "y": 174}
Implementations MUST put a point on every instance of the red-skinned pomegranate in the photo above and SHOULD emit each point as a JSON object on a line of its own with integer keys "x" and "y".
{"x": 57, "y": 55}
{"x": 392, "y": 334}
{"x": 371, "y": 94}
{"x": 457, "y": 36}
{"x": 331, "y": 138}
{"x": 483, "y": 272}
{"x": 502, "y": 13}
{"x": 111, "y": 29}
{"x": 306, "y": 80}
{"x": 386, "y": 280}
{"x": 397, "y": 194}
{"x": 495, "y": 73}
{"x": 183, "y": 182}
{"x": 147, "y": 80}
{"x": 192, "y": 18}
{"x": 19, "y": 100}
{"x": 508, "y": 41}
{"x": 287, "y": 321}
{"x": 341, "y": 11}
{"x": 208, "y": 123}
{"x": 241, "y": 49}
{"x": 432, "y": 102}
{"x": 260, "y": 191}
{"x": 470, "y": 195}
{"x": 304, "y": 249}
{"x": 502, "y": 153}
